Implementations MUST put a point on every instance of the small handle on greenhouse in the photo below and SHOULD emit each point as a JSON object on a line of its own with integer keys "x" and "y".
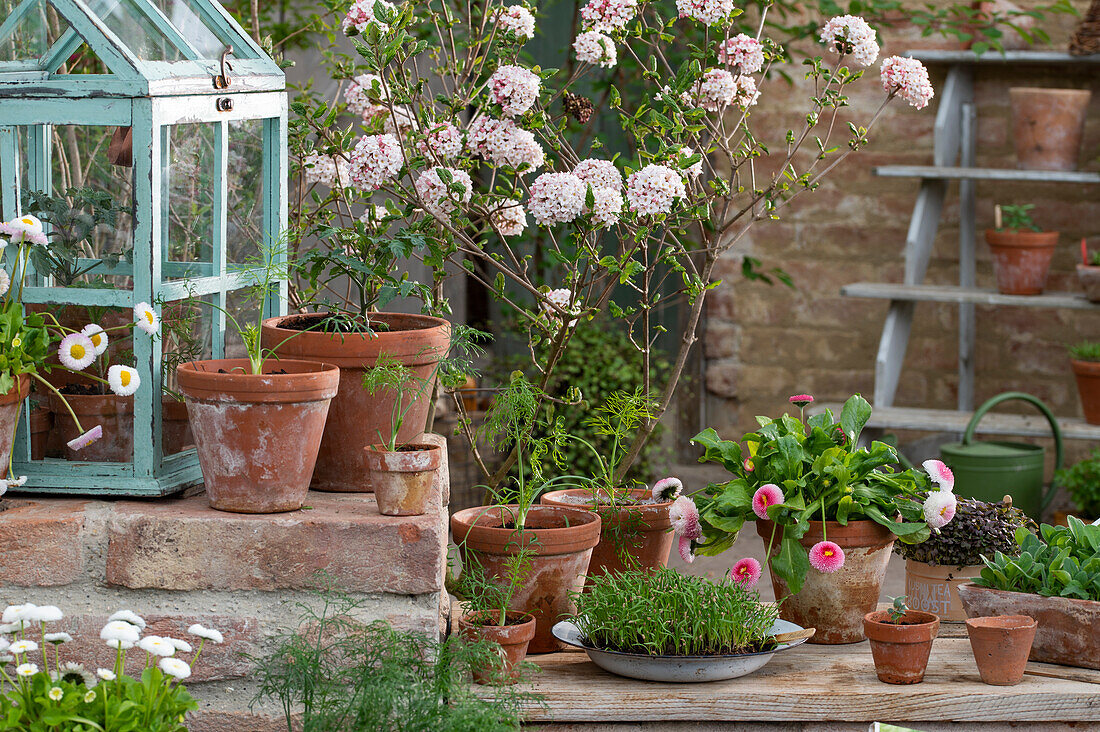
{"x": 223, "y": 80}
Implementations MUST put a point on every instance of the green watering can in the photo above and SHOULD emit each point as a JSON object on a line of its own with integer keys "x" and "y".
{"x": 990, "y": 470}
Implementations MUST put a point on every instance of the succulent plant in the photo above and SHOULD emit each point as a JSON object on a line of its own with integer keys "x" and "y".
{"x": 978, "y": 529}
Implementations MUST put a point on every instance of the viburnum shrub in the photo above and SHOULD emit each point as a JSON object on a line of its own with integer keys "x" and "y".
{"x": 464, "y": 145}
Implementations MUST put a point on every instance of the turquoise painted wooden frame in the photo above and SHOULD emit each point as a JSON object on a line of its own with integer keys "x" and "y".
{"x": 150, "y": 97}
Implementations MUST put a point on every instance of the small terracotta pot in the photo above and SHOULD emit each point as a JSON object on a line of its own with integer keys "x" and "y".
{"x": 640, "y": 534}
{"x": 257, "y": 435}
{"x": 901, "y": 651}
{"x": 836, "y": 603}
{"x": 175, "y": 427}
{"x": 564, "y": 538}
{"x": 1088, "y": 387}
{"x": 11, "y": 403}
{"x": 1090, "y": 281}
{"x": 115, "y": 414}
{"x": 1021, "y": 259}
{"x": 356, "y": 416}
{"x": 403, "y": 480}
{"x": 934, "y": 589}
{"x": 1047, "y": 125}
{"x": 1001, "y": 645}
{"x": 41, "y": 424}
{"x": 512, "y": 638}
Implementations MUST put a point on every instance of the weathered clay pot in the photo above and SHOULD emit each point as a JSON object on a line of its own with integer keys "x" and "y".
{"x": 41, "y": 424}
{"x": 115, "y": 414}
{"x": 1010, "y": 40}
{"x": 1088, "y": 387}
{"x": 640, "y": 533}
{"x": 836, "y": 603}
{"x": 1001, "y": 646}
{"x": 175, "y": 426}
{"x": 1061, "y": 518}
{"x": 1067, "y": 627}
{"x": 356, "y": 417}
{"x": 934, "y": 589}
{"x": 564, "y": 537}
{"x": 1021, "y": 259}
{"x": 901, "y": 651}
{"x": 1047, "y": 125}
{"x": 1090, "y": 281}
{"x": 11, "y": 403}
{"x": 257, "y": 435}
{"x": 512, "y": 638}
{"x": 403, "y": 480}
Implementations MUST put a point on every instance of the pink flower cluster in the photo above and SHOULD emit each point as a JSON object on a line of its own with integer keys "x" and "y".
{"x": 374, "y": 160}
{"x": 361, "y": 16}
{"x": 358, "y": 96}
{"x": 705, "y": 11}
{"x": 515, "y": 89}
{"x": 907, "y": 78}
{"x": 742, "y": 51}
{"x": 850, "y": 34}
{"x": 557, "y": 198}
{"x": 746, "y": 94}
{"x": 593, "y": 47}
{"x": 716, "y": 89}
{"x": 325, "y": 169}
{"x": 503, "y": 142}
{"x": 516, "y": 19}
{"x": 686, "y": 525}
{"x": 653, "y": 189}
{"x": 437, "y": 196}
{"x": 599, "y": 174}
{"x": 607, "y": 16}
{"x": 607, "y": 204}
{"x": 444, "y": 141}
{"x": 510, "y": 219}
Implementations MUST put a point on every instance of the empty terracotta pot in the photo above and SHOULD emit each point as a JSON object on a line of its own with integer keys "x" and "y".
{"x": 1001, "y": 645}
{"x": 901, "y": 650}
{"x": 513, "y": 640}
{"x": 1088, "y": 387}
{"x": 404, "y": 479}
{"x": 1021, "y": 259}
{"x": 1047, "y": 125}
{"x": 257, "y": 435}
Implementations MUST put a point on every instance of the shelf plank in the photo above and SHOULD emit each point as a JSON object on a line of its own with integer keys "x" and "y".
{"x": 947, "y": 172}
{"x": 934, "y": 56}
{"x": 972, "y": 295}
{"x": 994, "y": 423}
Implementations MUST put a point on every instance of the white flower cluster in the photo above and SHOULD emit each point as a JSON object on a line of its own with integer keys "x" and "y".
{"x": 850, "y": 34}
{"x": 503, "y": 142}
{"x": 742, "y": 51}
{"x": 696, "y": 168}
{"x": 708, "y": 12}
{"x": 374, "y": 160}
{"x": 325, "y": 169}
{"x": 444, "y": 141}
{"x": 436, "y": 194}
{"x": 401, "y": 121}
{"x": 515, "y": 89}
{"x": 907, "y": 78}
{"x": 607, "y": 204}
{"x": 510, "y": 219}
{"x": 716, "y": 89}
{"x": 361, "y": 16}
{"x": 557, "y": 198}
{"x": 608, "y": 16}
{"x": 607, "y": 185}
{"x": 361, "y": 94}
{"x": 593, "y": 47}
{"x": 653, "y": 189}
{"x": 746, "y": 94}
{"x": 516, "y": 19}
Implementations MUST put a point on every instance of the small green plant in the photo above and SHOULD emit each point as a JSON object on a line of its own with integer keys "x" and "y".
{"x": 978, "y": 529}
{"x": 1064, "y": 561}
{"x": 1015, "y": 218}
{"x": 73, "y": 221}
{"x": 1094, "y": 259}
{"x": 1085, "y": 351}
{"x": 897, "y": 610}
{"x": 1082, "y": 481}
{"x": 666, "y": 613}
{"x": 488, "y": 597}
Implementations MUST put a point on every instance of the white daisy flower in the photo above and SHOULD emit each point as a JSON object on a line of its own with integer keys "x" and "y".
{"x": 97, "y": 336}
{"x": 120, "y": 630}
{"x": 56, "y": 693}
{"x": 119, "y": 645}
{"x": 123, "y": 380}
{"x": 146, "y": 318}
{"x": 89, "y": 697}
{"x": 130, "y": 617}
{"x": 76, "y": 673}
{"x": 58, "y": 638}
{"x": 182, "y": 646}
{"x": 105, "y": 674}
{"x": 26, "y": 669}
{"x": 175, "y": 667}
{"x": 24, "y": 646}
{"x": 45, "y": 614}
{"x": 208, "y": 633}
{"x": 76, "y": 351}
{"x": 157, "y": 646}
{"x": 17, "y": 614}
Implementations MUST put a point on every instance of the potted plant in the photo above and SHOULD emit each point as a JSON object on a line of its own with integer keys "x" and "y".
{"x": 563, "y": 537}
{"x": 827, "y": 510}
{"x": 1047, "y": 125}
{"x": 952, "y": 556}
{"x": 1088, "y": 272}
{"x": 1085, "y": 359}
{"x": 901, "y": 640}
{"x": 1021, "y": 251}
{"x": 1056, "y": 580}
{"x": 1082, "y": 482}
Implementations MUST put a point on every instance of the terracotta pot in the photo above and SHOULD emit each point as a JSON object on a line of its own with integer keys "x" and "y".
{"x": 564, "y": 538}
{"x": 1067, "y": 627}
{"x": 934, "y": 589}
{"x": 403, "y": 480}
{"x": 901, "y": 651}
{"x": 1061, "y": 518}
{"x": 175, "y": 428}
{"x": 1090, "y": 281}
{"x": 41, "y": 424}
{"x": 1001, "y": 646}
{"x": 1021, "y": 259}
{"x": 640, "y": 534}
{"x": 257, "y": 435}
{"x": 512, "y": 638}
{"x": 11, "y": 403}
{"x": 115, "y": 414}
{"x": 1047, "y": 125}
{"x": 836, "y": 603}
{"x": 1011, "y": 40}
{"x": 356, "y": 417}
{"x": 1088, "y": 386}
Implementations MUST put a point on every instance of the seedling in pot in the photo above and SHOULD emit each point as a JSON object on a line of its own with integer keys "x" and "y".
{"x": 1014, "y": 218}
{"x": 897, "y": 610}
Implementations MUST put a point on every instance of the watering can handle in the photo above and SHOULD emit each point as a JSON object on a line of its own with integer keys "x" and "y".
{"x": 1008, "y": 395}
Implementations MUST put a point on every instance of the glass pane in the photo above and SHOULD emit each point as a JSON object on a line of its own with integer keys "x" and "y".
{"x": 207, "y": 38}
{"x": 245, "y": 236}
{"x": 27, "y": 38}
{"x": 189, "y": 206}
{"x": 136, "y": 30}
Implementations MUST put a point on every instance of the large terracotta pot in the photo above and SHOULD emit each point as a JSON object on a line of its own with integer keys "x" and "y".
{"x": 1088, "y": 386}
{"x": 1047, "y": 125}
{"x": 564, "y": 538}
{"x": 11, "y": 402}
{"x": 1021, "y": 259}
{"x": 934, "y": 589}
{"x": 513, "y": 640}
{"x": 901, "y": 650}
{"x": 1067, "y": 632}
{"x": 257, "y": 435}
{"x": 640, "y": 534}
{"x": 115, "y": 414}
{"x": 356, "y": 417}
{"x": 836, "y": 603}
{"x": 1089, "y": 275}
{"x": 403, "y": 479}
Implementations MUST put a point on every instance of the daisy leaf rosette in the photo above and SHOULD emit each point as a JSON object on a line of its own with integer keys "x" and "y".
{"x": 795, "y": 472}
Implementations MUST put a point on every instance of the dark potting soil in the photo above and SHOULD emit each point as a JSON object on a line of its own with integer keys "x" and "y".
{"x": 266, "y": 373}
{"x": 584, "y": 500}
{"x": 332, "y": 323}
{"x": 82, "y": 390}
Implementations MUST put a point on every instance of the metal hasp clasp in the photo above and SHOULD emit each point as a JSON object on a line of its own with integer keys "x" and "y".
{"x": 223, "y": 80}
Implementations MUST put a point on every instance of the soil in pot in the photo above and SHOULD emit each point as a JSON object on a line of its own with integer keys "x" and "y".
{"x": 257, "y": 435}
{"x": 404, "y": 480}
{"x": 1047, "y": 125}
{"x": 356, "y": 417}
{"x": 836, "y": 603}
{"x": 1021, "y": 259}
{"x": 901, "y": 649}
{"x": 935, "y": 589}
{"x": 115, "y": 414}
{"x": 1001, "y": 646}
{"x": 11, "y": 404}
{"x": 564, "y": 538}
{"x": 513, "y": 639}
{"x": 636, "y": 535}
{"x": 1088, "y": 387}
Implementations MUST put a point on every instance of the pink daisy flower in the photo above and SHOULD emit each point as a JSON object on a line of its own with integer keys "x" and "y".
{"x": 685, "y": 518}
{"x": 939, "y": 509}
{"x": 766, "y": 495}
{"x": 801, "y": 400}
{"x": 940, "y": 474}
{"x": 687, "y": 549}
{"x": 825, "y": 556}
{"x": 746, "y": 572}
{"x": 87, "y": 438}
{"x": 667, "y": 489}
{"x": 749, "y": 467}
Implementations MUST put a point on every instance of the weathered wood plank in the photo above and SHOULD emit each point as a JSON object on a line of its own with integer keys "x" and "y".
{"x": 1008, "y": 57}
{"x": 949, "y": 420}
{"x": 973, "y": 295}
{"x": 948, "y": 172}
